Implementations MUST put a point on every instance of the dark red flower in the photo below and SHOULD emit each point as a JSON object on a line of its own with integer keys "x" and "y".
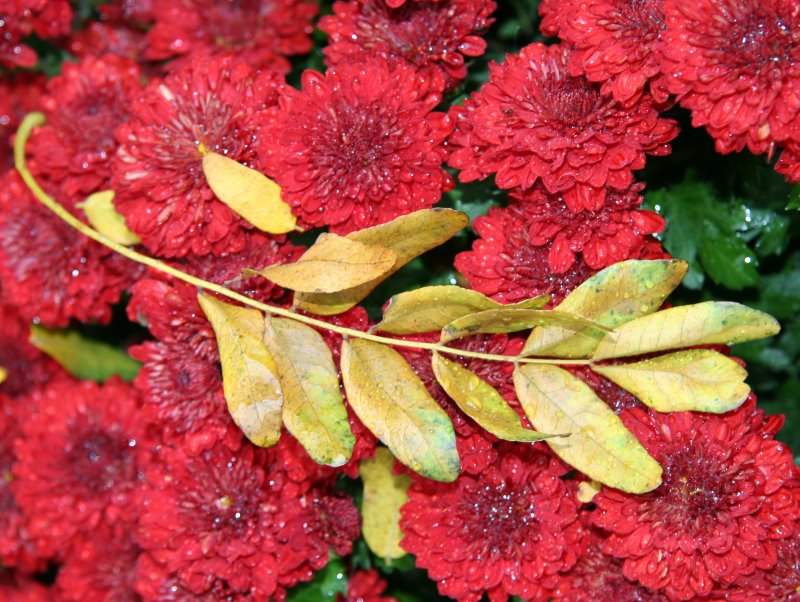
{"x": 357, "y": 146}
{"x": 156, "y": 584}
{"x": 550, "y": 14}
{"x": 15, "y": 587}
{"x": 617, "y": 44}
{"x": 736, "y": 65}
{"x": 79, "y": 462}
{"x": 20, "y": 18}
{"x": 398, "y": 3}
{"x": 781, "y": 582}
{"x": 729, "y": 493}
{"x": 615, "y": 232}
{"x": 507, "y": 531}
{"x": 19, "y": 95}
{"x": 615, "y": 396}
{"x": 434, "y": 37}
{"x": 260, "y": 32}
{"x": 533, "y": 121}
{"x": 157, "y": 173}
{"x": 789, "y": 162}
{"x": 83, "y": 105}
{"x": 52, "y": 272}
{"x": 366, "y": 586}
{"x": 117, "y": 31}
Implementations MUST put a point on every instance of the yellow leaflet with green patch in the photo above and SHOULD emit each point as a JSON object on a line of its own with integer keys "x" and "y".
{"x": 100, "y": 211}
{"x": 384, "y": 496}
{"x": 701, "y": 380}
{"x": 598, "y": 444}
{"x": 711, "y": 322}
{"x": 481, "y": 402}
{"x": 332, "y": 264}
{"x": 431, "y": 308}
{"x": 249, "y": 373}
{"x": 617, "y": 294}
{"x": 408, "y": 236}
{"x": 313, "y": 407}
{"x": 248, "y": 193}
{"x": 394, "y": 404}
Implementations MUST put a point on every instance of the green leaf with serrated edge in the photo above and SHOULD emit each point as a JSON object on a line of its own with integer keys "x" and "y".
{"x": 408, "y": 236}
{"x": 431, "y": 308}
{"x": 249, "y": 373}
{"x": 313, "y": 407}
{"x": 617, "y": 294}
{"x": 84, "y": 358}
{"x": 481, "y": 402}
{"x": 708, "y": 323}
{"x": 700, "y": 380}
{"x": 497, "y": 321}
{"x": 598, "y": 444}
{"x": 395, "y": 405}
{"x": 384, "y": 495}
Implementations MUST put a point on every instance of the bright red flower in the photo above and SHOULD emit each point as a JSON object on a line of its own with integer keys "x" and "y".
{"x": 155, "y": 584}
{"x": 357, "y": 146}
{"x": 20, "y": 18}
{"x": 158, "y": 173}
{"x": 533, "y": 121}
{"x": 729, "y": 494}
{"x": 52, "y": 272}
{"x": 19, "y": 95}
{"x": 434, "y": 37}
{"x": 398, "y": 3}
{"x": 79, "y": 462}
{"x": 260, "y": 32}
{"x": 617, "y": 231}
{"x": 736, "y": 65}
{"x": 15, "y": 587}
{"x": 83, "y": 105}
{"x": 617, "y": 44}
{"x": 781, "y": 582}
{"x": 118, "y": 30}
{"x": 366, "y": 586}
{"x": 550, "y": 14}
{"x": 507, "y": 531}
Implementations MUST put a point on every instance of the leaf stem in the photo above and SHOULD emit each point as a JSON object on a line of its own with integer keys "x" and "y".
{"x": 36, "y": 119}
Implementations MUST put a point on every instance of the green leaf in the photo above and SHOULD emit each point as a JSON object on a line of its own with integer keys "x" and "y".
{"x": 328, "y": 584}
{"x": 794, "y": 198}
{"x": 84, "y": 358}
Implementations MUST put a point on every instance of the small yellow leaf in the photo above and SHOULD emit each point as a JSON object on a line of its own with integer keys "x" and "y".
{"x": 701, "y": 380}
{"x": 249, "y": 373}
{"x": 481, "y": 402}
{"x": 408, "y": 236}
{"x": 494, "y": 321}
{"x": 384, "y": 496}
{"x": 598, "y": 444}
{"x": 394, "y": 404}
{"x": 100, "y": 211}
{"x": 248, "y": 193}
{"x": 616, "y": 295}
{"x": 3, "y": 375}
{"x": 332, "y": 264}
{"x": 431, "y": 308}
{"x": 313, "y": 407}
{"x": 587, "y": 490}
{"x": 711, "y": 322}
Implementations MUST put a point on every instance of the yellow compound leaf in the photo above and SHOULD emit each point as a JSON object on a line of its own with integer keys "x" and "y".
{"x": 332, "y": 264}
{"x": 249, "y": 373}
{"x": 587, "y": 490}
{"x": 431, "y": 308}
{"x": 313, "y": 407}
{"x": 617, "y": 294}
{"x": 598, "y": 444}
{"x": 248, "y": 193}
{"x": 384, "y": 495}
{"x": 3, "y": 375}
{"x": 408, "y": 236}
{"x": 394, "y": 404}
{"x": 481, "y": 402}
{"x": 711, "y": 322}
{"x": 100, "y": 211}
{"x": 701, "y": 380}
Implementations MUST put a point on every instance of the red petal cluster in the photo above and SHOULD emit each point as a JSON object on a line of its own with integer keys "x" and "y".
{"x": 20, "y": 18}
{"x": 357, "y": 146}
{"x": 366, "y": 586}
{"x": 19, "y": 95}
{"x": 781, "y": 582}
{"x": 433, "y": 36}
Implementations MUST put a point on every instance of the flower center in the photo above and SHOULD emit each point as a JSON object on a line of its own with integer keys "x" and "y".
{"x": 758, "y": 38}
{"x": 101, "y": 460}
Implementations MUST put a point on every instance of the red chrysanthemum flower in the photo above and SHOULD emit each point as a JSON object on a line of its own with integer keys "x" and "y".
{"x": 550, "y": 14}
{"x": 616, "y": 43}
{"x": 781, "y": 582}
{"x": 83, "y": 105}
{"x": 615, "y": 232}
{"x": 15, "y": 587}
{"x": 52, "y": 272}
{"x": 79, "y": 461}
{"x": 729, "y": 494}
{"x": 789, "y": 162}
{"x": 357, "y": 146}
{"x": 155, "y": 584}
{"x": 19, "y": 95}
{"x": 433, "y": 36}
{"x": 261, "y": 32}
{"x": 365, "y": 586}
{"x": 118, "y": 30}
{"x": 207, "y": 521}
{"x": 533, "y": 121}
{"x": 507, "y": 531}
{"x": 615, "y": 396}
{"x": 736, "y": 65}
{"x": 399, "y": 3}
{"x": 158, "y": 173}
{"x": 20, "y": 18}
